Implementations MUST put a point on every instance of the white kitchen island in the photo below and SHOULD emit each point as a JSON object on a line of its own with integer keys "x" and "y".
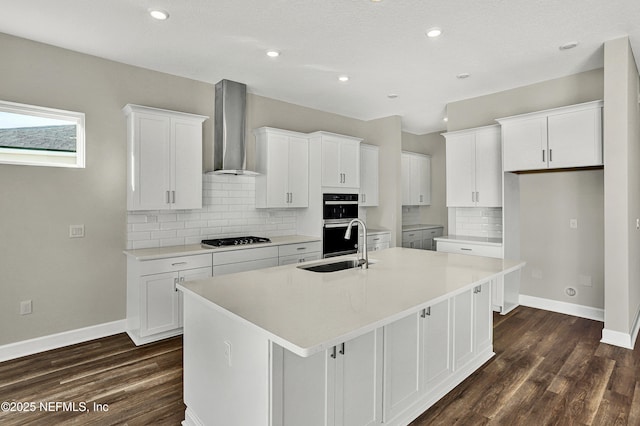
{"x": 287, "y": 346}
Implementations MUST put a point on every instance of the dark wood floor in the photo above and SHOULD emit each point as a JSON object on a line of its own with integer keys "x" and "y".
{"x": 549, "y": 369}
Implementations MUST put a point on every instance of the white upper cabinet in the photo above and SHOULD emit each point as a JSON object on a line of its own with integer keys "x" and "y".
{"x": 164, "y": 159}
{"x": 340, "y": 160}
{"x": 368, "y": 175}
{"x": 474, "y": 167}
{"x": 282, "y": 159}
{"x": 553, "y": 139}
{"x": 416, "y": 179}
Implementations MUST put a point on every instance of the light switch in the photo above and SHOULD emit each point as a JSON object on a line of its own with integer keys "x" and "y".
{"x": 76, "y": 231}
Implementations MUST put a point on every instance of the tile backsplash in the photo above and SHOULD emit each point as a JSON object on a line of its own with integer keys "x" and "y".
{"x": 479, "y": 222}
{"x": 228, "y": 209}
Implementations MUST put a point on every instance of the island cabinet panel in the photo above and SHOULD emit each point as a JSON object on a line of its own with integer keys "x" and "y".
{"x": 340, "y": 386}
{"x": 472, "y": 325}
{"x": 436, "y": 345}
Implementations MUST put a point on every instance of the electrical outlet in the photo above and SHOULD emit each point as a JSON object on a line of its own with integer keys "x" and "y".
{"x": 573, "y": 223}
{"x": 76, "y": 231}
{"x": 26, "y": 307}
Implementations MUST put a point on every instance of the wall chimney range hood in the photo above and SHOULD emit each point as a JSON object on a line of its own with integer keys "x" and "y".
{"x": 229, "y": 145}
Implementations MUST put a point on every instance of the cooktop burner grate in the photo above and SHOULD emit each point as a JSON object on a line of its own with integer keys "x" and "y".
{"x": 235, "y": 241}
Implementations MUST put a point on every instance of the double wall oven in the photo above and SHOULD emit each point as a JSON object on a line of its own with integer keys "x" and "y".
{"x": 337, "y": 211}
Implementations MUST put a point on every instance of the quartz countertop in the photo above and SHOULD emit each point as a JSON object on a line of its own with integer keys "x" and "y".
{"x": 192, "y": 249}
{"x": 471, "y": 240}
{"x": 307, "y": 312}
{"x": 419, "y": 226}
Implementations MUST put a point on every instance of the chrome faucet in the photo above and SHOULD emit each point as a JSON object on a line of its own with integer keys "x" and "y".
{"x": 365, "y": 254}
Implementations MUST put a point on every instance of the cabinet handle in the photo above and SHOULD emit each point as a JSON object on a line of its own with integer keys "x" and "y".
{"x": 465, "y": 249}
{"x": 173, "y": 197}
{"x": 301, "y": 248}
{"x": 423, "y": 313}
{"x": 376, "y": 239}
{"x": 342, "y": 349}
{"x": 543, "y": 155}
{"x": 175, "y": 283}
{"x": 550, "y": 155}
{"x": 333, "y": 353}
{"x": 428, "y": 311}
{"x": 168, "y": 198}
{"x": 477, "y": 197}
{"x": 178, "y": 263}
{"x": 473, "y": 197}
{"x": 291, "y": 199}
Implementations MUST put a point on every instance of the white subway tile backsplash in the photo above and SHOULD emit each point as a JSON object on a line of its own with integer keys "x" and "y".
{"x": 228, "y": 210}
{"x": 479, "y": 222}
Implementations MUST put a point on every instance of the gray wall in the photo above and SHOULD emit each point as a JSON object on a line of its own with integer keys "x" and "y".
{"x": 622, "y": 187}
{"x": 557, "y": 256}
{"x": 432, "y": 144}
{"x": 73, "y": 283}
{"x": 76, "y": 283}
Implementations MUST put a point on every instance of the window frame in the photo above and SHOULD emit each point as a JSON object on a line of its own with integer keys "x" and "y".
{"x": 40, "y": 157}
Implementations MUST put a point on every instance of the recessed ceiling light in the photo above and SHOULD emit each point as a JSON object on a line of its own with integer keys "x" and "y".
{"x": 160, "y": 15}
{"x": 343, "y": 78}
{"x": 392, "y": 96}
{"x": 463, "y": 75}
{"x": 434, "y": 32}
{"x": 273, "y": 53}
{"x": 568, "y": 46}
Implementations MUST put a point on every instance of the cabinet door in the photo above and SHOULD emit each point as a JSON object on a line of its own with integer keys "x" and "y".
{"x": 460, "y": 161}
{"x": 350, "y": 163}
{"x": 463, "y": 328}
{"x": 488, "y": 168}
{"x": 368, "y": 176}
{"x": 436, "y": 345}
{"x": 186, "y": 169}
{"x": 524, "y": 144}
{"x": 359, "y": 381}
{"x": 575, "y": 139}
{"x": 278, "y": 171}
{"x": 331, "y": 171}
{"x": 406, "y": 179}
{"x": 401, "y": 365}
{"x": 423, "y": 175}
{"x": 412, "y": 239}
{"x": 190, "y": 275}
{"x": 150, "y": 153}
{"x": 483, "y": 318}
{"x": 298, "y": 258}
{"x": 298, "y": 172}
{"x": 307, "y": 384}
{"x": 160, "y": 309}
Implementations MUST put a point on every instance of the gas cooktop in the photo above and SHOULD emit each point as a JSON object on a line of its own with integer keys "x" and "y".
{"x": 235, "y": 241}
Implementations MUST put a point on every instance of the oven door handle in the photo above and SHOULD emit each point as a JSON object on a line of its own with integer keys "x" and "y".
{"x": 337, "y": 225}
{"x": 339, "y": 203}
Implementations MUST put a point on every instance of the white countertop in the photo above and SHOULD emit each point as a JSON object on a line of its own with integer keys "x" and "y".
{"x": 485, "y": 241}
{"x": 307, "y": 312}
{"x": 419, "y": 226}
{"x": 188, "y": 250}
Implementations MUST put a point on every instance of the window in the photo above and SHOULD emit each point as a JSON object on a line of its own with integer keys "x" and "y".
{"x": 39, "y": 136}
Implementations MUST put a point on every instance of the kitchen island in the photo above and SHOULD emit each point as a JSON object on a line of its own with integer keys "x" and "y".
{"x": 287, "y": 346}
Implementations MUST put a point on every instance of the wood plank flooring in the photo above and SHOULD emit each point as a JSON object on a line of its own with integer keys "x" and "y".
{"x": 549, "y": 369}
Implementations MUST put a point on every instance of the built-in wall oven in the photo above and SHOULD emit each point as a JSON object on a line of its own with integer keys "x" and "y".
{"x": 337, "y": 211}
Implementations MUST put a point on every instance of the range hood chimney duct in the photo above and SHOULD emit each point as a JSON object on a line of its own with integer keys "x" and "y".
{"x": 229, "y": 145}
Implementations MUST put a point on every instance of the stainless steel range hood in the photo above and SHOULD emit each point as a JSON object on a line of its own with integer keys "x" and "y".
{"x": 229, "y": 145}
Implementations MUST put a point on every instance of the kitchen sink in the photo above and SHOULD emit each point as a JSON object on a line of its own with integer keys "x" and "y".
{"x": 334, "y": 266}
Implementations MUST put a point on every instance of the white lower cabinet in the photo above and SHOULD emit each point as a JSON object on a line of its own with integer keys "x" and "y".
{"x": 340, "y": 386}
{"x": 233, "y": 261}
{"x": 297, "y": 253}
{"x": 154, "y": 306}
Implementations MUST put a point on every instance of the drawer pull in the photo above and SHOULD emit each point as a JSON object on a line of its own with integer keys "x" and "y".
{"x": 466, "y": 249}
{"x": 179, "y": 263}
{"x": 301, "y": 248}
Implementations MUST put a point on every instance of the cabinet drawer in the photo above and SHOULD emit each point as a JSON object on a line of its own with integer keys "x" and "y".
{"x": 378, "y": 239}
{"x": 470, "y": 249}
{"x": 299, "y": 258}
{"x": 296, "y": 249}
{"x": 252, "y": 265}
{"x": 244, "y": 255}
{"x": 409, "y": 236}
{"x": 172, "y": 264}
{"x": 432, "y": 233}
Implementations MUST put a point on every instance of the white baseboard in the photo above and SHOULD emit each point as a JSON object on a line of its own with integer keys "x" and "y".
{"x": 618, "y": 338}
{"x": 581, "y": 311}
{"x": 59, "y": 340}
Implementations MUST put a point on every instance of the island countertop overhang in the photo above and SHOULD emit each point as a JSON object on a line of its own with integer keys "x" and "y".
{"x": 307, "y": 312}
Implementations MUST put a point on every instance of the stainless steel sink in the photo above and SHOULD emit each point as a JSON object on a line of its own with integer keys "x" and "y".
{"x": 333, "y": 266}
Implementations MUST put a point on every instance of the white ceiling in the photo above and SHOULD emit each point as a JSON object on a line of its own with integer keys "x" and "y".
{"x": 381, "y": 45}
